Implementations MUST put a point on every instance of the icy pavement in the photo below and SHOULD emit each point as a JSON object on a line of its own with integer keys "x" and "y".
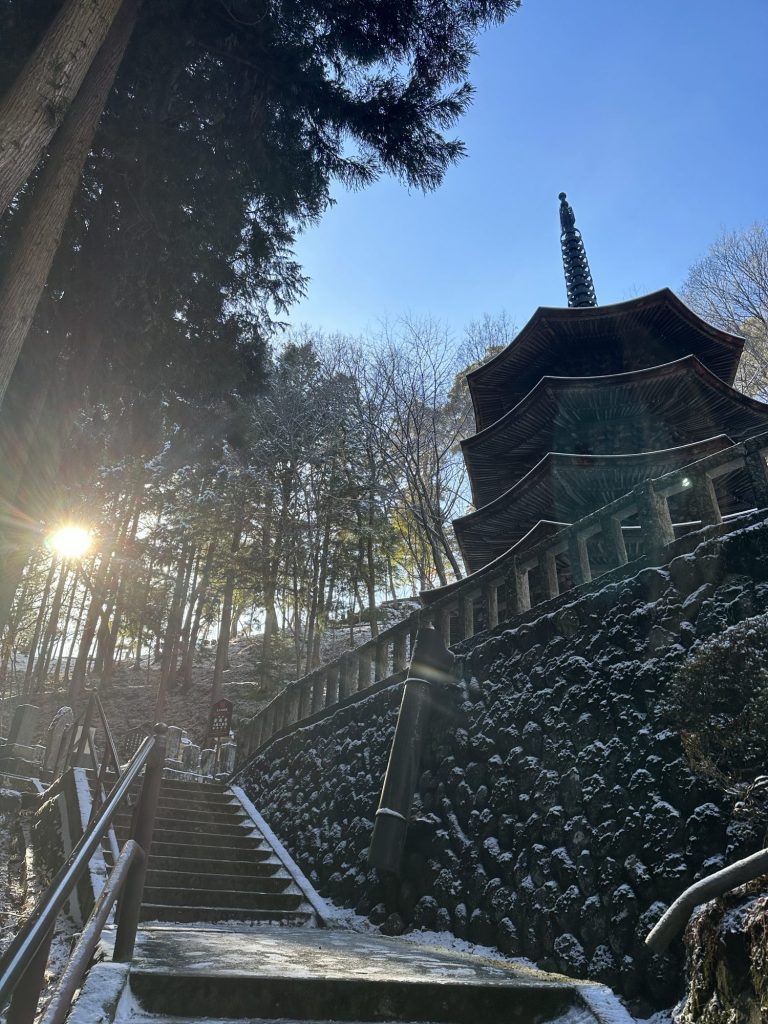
{"x": 203, "y": 976}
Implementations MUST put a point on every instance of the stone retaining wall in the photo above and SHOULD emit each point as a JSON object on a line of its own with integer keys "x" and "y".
{"x": 559, "y": 816}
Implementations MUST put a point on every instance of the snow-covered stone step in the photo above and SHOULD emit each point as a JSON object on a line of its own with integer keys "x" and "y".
{"x": 276, "y": 881}
{"x": 201, "y": 914}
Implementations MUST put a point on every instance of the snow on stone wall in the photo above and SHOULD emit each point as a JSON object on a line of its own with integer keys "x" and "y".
{"x": 561, "y": 816}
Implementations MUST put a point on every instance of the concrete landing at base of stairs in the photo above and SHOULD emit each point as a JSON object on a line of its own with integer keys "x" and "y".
{"x": 190, "y": 975}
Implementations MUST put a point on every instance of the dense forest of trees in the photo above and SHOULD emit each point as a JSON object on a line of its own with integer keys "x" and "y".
{"x": 327, "y": 492}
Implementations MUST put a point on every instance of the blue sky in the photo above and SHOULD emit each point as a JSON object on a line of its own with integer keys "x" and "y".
{"x": 650, "y": 115}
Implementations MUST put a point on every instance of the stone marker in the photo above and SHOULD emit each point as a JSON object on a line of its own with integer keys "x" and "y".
{"x": 24, "y": 725}
{"x": 191, "y": 757}
{"x": 207, "y": 762}
{"x": 227, "y": 754}
{"x": 58, "y": 731}
{"x": 173, "y": 743}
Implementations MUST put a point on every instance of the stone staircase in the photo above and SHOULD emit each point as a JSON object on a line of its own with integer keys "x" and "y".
{"x": 211, "y": 862}
{"x": 232, "y": 931}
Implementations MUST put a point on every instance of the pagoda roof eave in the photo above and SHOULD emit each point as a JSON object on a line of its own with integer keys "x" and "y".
{"x": 477, "y": 531}
{"x": 518, "y": 425}
{"x": 548, "y": 318}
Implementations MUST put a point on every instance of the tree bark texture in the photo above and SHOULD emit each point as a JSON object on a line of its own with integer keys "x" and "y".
{"x": 43, "y": 219}
{"x": 36, "y": 104}
{"x": 222, "y": 644}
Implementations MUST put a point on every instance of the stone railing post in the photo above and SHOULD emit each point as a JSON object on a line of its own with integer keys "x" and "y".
{"x": 381, "y": 668}
{"x": 278, "y": 712}
{"x": 399, "y": 650}
{"x": 548, "y": 563}
{"x": 491, "y": 600}
{"x": 364, "y": 660}
{"x": 332, "y": 683}
{"x": 348, "y": 664}
{"x": 257, "y": 731}
{"x": 305, "y": 698}
{"x": 705, "y": 505}
{"x": 318, "y": 689}
{"x": 613, "y": 534}
{"x": 655, "y": 520}
{"x": 292, "y": 700}
{"x": 755, "y": 465}
{"x": 578, "y": 556}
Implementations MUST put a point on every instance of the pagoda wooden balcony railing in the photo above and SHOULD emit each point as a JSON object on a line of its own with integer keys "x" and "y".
{"x": 550, "y": 560}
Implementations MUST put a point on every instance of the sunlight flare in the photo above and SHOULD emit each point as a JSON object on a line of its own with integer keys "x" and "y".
{"x": 69, "y": 541}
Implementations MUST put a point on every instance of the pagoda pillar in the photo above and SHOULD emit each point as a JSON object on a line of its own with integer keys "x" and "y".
{"x": 705, "y": 505}
{"x": 614, "y": 538}
{"x": 491, "y": 598}
{"x": 467, "y": 616}
{"x": 443, "y": 625}
{"x": 578, "y": 556}
{"x": 755, "y": 465}
{"x": 520, "y": 588}
{"x": 549, "y": 571}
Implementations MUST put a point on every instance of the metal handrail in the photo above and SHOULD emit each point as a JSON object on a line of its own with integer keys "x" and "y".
{"x": 82, "y": 954}
{"x": 29, "y": 948}
{"x": 722, "y": 881}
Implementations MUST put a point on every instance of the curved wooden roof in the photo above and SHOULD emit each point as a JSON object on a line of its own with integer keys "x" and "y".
{"x": 564, "y": 488}
{"x": 599, "y": 340}
{"x": 643, "y": 410}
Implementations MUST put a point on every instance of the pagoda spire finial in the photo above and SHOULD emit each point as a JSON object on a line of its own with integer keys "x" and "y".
{"x": 578, "y": 277}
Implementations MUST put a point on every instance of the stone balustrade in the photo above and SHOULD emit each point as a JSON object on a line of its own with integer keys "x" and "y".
{"x": 548, "y": 561}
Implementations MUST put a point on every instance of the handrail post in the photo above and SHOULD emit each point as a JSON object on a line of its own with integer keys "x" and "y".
{"x": 85, "y": 729}
{"x": 26, "y": 995}
{"x": 144, "y": 824}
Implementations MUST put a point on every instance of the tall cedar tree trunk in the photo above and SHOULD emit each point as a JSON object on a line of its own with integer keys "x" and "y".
{"x": 173, "y": 627}
{"x": 111, "y": 641}
{"x": 191, "y": 603}
{"x": 180, "y": 599}
{"x": 49, "y": 637}
{"x": 38, "y": 627}
{"x": 222, "y": 644}
{"x": 42, "y": 222}
{"x": 92, "y": 617}
{"x": 95, "y": 612}
{"x": 318, "y": 594}
{"x": 37, "y": 102}
{"x": 202, "y": 596}
{"x": 14, "y": 616}
{"x": 75, "y": 634}
{"x": 20, "y": 423}
{"x": 65, "y": 630}
{"x": 272, "y": 569}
